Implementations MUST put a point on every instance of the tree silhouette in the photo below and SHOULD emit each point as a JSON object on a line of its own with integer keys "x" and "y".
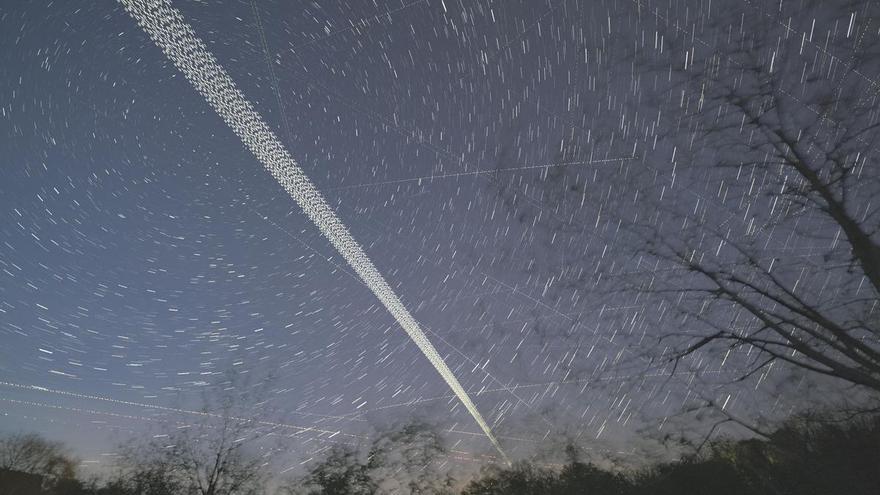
{"x": 339, "y": 473}
{"x": 400, "y": 460}
{"x": 31, "y": 454}
{"x": 783, "y": 263}
{"x": 520, "y": 479}
{"x": 746, "y": 225}
{"x": 208, "y": 456}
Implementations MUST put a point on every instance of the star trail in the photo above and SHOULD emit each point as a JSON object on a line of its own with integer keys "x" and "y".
{"x": 603, "y": 223}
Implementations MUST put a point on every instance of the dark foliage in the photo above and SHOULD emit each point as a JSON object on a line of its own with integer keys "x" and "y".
{"x": 340, "y": 473}
{"x": 805, "y": 456}
{"x": 402, "y": 460}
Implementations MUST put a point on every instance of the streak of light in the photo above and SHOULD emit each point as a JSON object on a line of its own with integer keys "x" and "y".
{"x": 452, "y": 175}
{"x": 577, "y": 381}
{"x": 457, "y": 455}
{"x": 176, "y": 410}
{"x": 167, "y": 28}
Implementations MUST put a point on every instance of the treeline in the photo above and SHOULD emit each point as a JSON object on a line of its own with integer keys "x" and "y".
{"x": 802, "y": 457}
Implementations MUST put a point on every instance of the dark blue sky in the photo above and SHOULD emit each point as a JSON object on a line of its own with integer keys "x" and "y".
{"x": 144, "y": 252}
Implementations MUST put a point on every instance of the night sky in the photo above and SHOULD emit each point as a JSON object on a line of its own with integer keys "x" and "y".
{"x": 484, "y": 154}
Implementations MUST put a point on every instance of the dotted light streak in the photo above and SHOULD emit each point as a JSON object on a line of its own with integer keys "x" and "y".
{"x": 166, "y": 27}
{"x": 300, "y": 429}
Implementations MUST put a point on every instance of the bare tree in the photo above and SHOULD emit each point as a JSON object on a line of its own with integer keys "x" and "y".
{"x": 749, "y": 213}
{"x": 339, "y": 472}
{"x": 782, "y": 262}
{"x": 406, "y": 459}
{"x": 213, "y": 455}
{"x": 32, "y": 454}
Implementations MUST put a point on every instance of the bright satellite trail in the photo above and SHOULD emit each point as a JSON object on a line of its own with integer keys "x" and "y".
{"x": 165, "y": 25}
